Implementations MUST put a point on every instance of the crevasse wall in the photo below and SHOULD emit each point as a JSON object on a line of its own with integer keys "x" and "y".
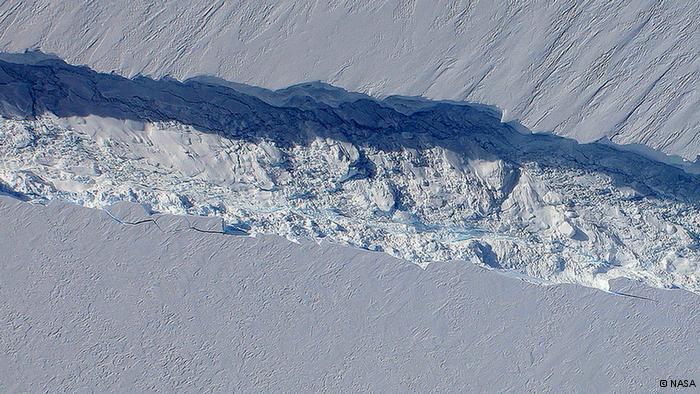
{"x": 584, "y": 69}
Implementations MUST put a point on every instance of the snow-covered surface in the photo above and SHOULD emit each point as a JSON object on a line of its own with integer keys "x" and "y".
{"x": 585, "y": 69}
{"x": 420, "y": 180}
{"x": 88, "y": 304}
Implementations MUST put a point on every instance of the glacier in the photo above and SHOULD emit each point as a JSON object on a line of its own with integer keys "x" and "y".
{"x": 628, "y": 71}
{"x": 89, "y": 304}
{"x": 417, "y": 179}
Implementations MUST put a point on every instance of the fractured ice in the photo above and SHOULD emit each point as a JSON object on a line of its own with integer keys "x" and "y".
{"x": 421, "y": 180}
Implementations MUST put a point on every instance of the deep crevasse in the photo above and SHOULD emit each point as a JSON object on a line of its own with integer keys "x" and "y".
{"x": 424, "y": 181}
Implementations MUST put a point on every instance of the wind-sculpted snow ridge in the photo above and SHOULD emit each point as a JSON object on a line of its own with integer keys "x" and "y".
{"x": 424, "y": 181}
{"x": 625, "y": 70}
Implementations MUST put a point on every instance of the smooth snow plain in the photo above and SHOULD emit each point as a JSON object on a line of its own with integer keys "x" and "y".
{"x": 627, "y": 71}
{"x": 422, "y": 180}
{"x": 89, "y": 304}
